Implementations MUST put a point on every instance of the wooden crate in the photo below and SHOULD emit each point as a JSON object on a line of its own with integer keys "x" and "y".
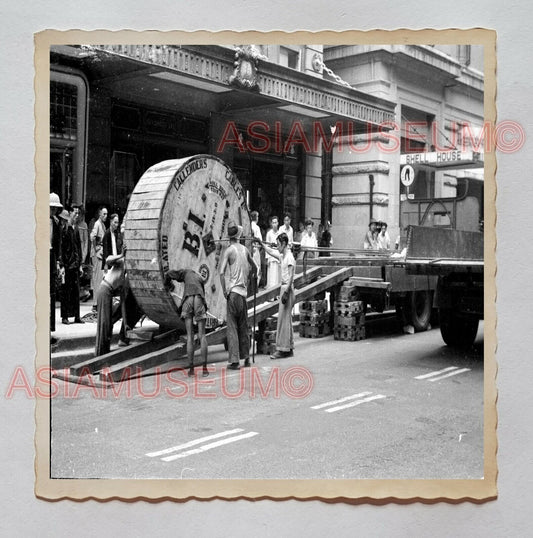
{"x": 350, "y": 334}
{"x": 267, "y": 348}
{"x": 348, "y": 308}
{"x": 314, "y": 331}
{"x": 313, "y": 306}
{"x": 271, "y": 324}
{"x": 269, "y": 336}
{"x": 348, "y": 291}
{"x": 347, "y": 321}
{"x": 314, "y": 318}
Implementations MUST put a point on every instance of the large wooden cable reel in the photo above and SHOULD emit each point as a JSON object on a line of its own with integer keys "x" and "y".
{"x": 177, "y": 216}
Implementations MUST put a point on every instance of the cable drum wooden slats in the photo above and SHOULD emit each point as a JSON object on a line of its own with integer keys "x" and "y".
{"x": 178, "y": 212}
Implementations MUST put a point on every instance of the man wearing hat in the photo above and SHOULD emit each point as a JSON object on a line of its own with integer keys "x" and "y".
{"x": 371, "y": 237}
{"x": 55, "y": 241}
{"x": 240, "y": 262}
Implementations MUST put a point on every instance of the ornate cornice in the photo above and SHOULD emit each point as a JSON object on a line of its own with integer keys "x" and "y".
{"x": 248, "y": 71}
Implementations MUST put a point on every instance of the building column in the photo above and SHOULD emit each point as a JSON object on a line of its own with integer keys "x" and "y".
{"x": 365, "y": 183}
{"x": 313, "y": 188}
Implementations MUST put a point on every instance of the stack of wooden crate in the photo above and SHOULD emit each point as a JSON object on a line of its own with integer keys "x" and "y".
{"x": 268, "y": 346}
{"x": 349, "y": 320}
{"x": 349, "y": 314}
{"x": 314, "y": 319}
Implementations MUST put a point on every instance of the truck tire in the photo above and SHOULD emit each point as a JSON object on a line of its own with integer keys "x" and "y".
{"x": 457, "y": 331}
{"x": 417, "y": 309}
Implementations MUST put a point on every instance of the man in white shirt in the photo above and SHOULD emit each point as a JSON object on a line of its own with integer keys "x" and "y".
{"x": 256, "y": 231}
{"x": 309, "y": 238}
{"x": 287, "y": 228}
{"x": 383, "y": 237}
{"x": 257, "y": 254}
{"x": 97, "y": 251}
{"x": 273, "y": 276}
{"x": 284, "y": 333}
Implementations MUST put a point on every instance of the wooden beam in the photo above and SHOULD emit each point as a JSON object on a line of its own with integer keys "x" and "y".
{"x": 96, "y": 364}
{"x": 160, "y": 342}
{"x": 177, "y": 351}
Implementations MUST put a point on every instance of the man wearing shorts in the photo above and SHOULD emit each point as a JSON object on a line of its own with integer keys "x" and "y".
{"x": 192, "y": 309}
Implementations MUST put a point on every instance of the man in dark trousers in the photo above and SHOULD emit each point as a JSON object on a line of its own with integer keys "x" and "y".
{"x": 55, "y": 243}
{"x": 192, "y": 308}
{"x": 109, "y": 287}
{"x": 240, "y": 263}
{"x": 71, "y": 263}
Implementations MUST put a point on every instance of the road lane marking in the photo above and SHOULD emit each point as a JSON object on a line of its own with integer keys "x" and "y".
{"x": 431, "y": 374}
{"x": 210, "y": 446}
{"x": 342, "y": 400}
{"x": 193, "y": 443}
{"x": 462, "y": 371}
{"x": 353, "y": 404}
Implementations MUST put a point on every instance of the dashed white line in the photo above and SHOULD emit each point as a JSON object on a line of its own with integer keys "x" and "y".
{"x": 353, "y": 404}
{"x": 209, "y": 446}
{"x": 346, "y": 399}
{"x": 431, "y": 374}
{"x": 193, "y": 443}
{"x": 461, "y": 371}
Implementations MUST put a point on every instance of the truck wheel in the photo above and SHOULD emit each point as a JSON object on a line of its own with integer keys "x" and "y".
{"x": 457, "y": 331}
{"x": 417, "y": 308}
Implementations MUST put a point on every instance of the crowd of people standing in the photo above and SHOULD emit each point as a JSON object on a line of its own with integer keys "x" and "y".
{"x": 78, "y": 250}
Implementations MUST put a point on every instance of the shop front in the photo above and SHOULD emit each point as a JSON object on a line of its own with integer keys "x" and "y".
{"x": 273, "y": 124}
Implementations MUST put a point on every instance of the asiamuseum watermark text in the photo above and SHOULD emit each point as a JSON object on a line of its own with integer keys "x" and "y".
{"x": 506, "y": 136}
{"x": 294, "y": 382}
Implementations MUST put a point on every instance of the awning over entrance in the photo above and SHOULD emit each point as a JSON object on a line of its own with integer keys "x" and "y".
{"x": 209, "y": 71}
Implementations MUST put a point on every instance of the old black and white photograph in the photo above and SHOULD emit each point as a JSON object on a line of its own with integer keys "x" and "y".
{"x": 267, "y": 261}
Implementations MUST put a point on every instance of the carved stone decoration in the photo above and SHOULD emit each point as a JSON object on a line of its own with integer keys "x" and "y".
{"x": 317, "y": 63}
{"x": 245, "y": 68}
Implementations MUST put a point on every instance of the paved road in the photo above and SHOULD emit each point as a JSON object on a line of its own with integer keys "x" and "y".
{"x": 393, "y": 406}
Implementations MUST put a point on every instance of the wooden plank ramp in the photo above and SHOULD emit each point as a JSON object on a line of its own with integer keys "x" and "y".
{"x": 135, "y": 366}
{"x": 168, "y": 346}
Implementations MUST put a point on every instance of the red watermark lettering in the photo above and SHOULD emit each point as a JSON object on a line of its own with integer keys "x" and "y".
{"x": 418, "y": 136}
{"x": 179, "y": 382}
{"x": 510, "y": 137}
{"x": 19, "y": 381}
{"x": 295, "y": 382}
